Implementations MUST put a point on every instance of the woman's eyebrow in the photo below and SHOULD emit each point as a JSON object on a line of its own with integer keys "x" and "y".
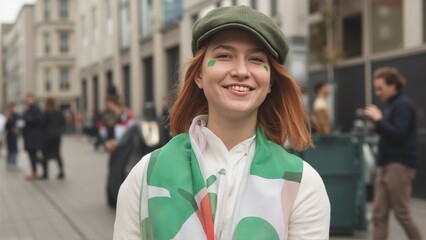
{"x": 226, "y": 47}
{"x": 231, "y": 48}
{"x": 257, "y": 49}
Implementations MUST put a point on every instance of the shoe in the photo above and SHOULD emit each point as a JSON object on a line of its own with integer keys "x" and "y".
{"x": 31, "y": 177}
{"x": 44, "y": 177}
{"x": 61, "y": 176}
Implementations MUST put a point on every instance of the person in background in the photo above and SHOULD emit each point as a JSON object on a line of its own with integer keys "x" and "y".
{"x": 165, "y": 122}
{"x": 321, "y": 109}
{"x": 115, "y": 121}
{"x": 97, "y": 124}
{"x": 53, "y": 128}
{"x": 33, "y": 135}
{"x": 69, "y": 121}
{"x": 398, "y": 150}
{"x": 78, "y": 123}
{"x": 225, "y": 174}
{"x": 398, "y": 146}
{"x": 3, "y": 120}
{"x": 12, "y": 136}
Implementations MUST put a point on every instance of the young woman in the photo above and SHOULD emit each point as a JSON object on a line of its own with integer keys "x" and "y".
{"x": 225, "y": 174}
{"x": 53, "y": 128}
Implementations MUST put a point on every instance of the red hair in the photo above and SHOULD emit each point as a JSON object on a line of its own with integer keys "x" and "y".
{"x": 282, "y": 115}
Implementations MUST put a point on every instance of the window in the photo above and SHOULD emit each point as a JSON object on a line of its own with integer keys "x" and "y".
{"x": 126, "y": 86}
{"x": 172, "y": 67}
{"x": 352, "y": 35}
{"x": 173, "y": 12}
{"x": 95, "y": 91}
{"x": 314, "y": 5}
{"x": 253, "y": 4}
{"x": 94, "y": 24}
{"x": 63, "y": 9}
{"x": 149, "y": 81}
{"x": 387, "y": 25}
{"x": 109, "y": 79}
{"x": 108, "y": 16}
{"x": 146, "y": 18}
{"x": 64, "y": 84}
{"x": 84, "y": 94}
{"x": 107, "y": 9}
{"x": 274, "y": 8}
{"x": 83, "y": 30}
{"x": 424, "y": 20}
{"x": 124, "y": 24}
{"x": 63, "y": 43}
{"x": 317, "y": 42}
{"x": 46, "y": 10}
{"x": 47, "y": 82}
{"x": 46, "y": 36}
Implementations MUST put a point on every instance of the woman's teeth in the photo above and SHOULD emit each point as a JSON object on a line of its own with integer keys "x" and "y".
{"x": 239, "y": 88}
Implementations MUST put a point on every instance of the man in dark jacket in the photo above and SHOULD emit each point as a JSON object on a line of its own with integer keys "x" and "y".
{"x": 397, "y": 153}
{"x": 33, "y": 135}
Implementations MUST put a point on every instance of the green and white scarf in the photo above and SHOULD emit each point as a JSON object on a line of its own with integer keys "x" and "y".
{"x": 178, "y": 202}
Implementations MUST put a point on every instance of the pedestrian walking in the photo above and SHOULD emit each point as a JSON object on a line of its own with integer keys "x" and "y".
{"x": 53, "y": 128}
{"x": 115, "y": 121}
{"x": 33, "y": 135}
{"x": 225, "y": 173}
{"x": 398, "y": 146}
{"x": 12, "y": 136}
{"x": 321, "y": 109}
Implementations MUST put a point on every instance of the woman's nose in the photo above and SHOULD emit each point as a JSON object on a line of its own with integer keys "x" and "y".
{"x": 241, "y": 70}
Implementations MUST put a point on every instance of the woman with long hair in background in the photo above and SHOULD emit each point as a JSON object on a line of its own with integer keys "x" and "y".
{"x": 53, "y": 128}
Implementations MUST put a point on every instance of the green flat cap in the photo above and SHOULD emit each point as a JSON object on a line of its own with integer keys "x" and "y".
{"x": 243, "y": 18}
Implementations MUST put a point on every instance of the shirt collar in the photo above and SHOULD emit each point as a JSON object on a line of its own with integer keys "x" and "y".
{"x": 203, "y": 136}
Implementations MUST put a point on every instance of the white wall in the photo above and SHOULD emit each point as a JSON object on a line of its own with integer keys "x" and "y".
{"x": 412, "y": 23}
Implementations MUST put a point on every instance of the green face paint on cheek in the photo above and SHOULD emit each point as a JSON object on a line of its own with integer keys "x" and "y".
{"x": 211, "y": 63}
{"x": 266, "y": 68}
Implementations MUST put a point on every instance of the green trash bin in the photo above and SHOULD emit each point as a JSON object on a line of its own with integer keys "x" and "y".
{"x": 339, "y": 161}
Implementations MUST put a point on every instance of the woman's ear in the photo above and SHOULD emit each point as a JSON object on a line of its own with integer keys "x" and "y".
{"x": 199, "y": 81}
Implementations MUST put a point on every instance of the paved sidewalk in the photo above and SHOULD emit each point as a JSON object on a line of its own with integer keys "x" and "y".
{"x": 418, "y": 208}
{"x": 73, "y": 208}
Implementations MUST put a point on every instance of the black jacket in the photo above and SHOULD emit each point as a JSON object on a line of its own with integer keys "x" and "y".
{"x": 12, "y": 134}
{"x": 53, "y": 125}
{"x": 33, "y": 135}
{"x": 398, "y": 132}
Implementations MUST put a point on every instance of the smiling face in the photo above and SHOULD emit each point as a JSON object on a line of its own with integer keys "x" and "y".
{"x": 235, "y": 75}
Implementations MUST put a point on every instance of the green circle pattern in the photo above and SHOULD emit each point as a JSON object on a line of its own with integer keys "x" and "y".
{"x": 255, "y": 228}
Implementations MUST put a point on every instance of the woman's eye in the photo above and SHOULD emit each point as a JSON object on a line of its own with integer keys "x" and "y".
{"x": 224, "y": 56}
{"x": 256, "y": 59}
